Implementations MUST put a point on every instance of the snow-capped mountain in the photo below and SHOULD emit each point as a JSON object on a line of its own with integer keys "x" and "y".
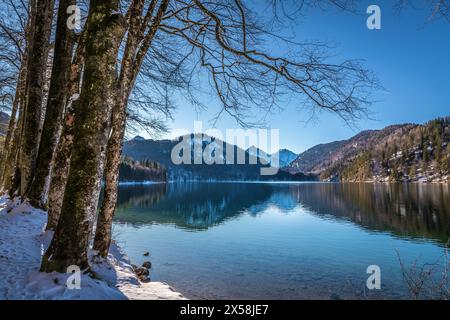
{"x": 280, "y": 159}
{"x": 160, "y": 151}
{"x": 284, "y": 157}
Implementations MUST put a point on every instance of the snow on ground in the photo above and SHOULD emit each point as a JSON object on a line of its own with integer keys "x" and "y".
{"x": 22, "y": 242}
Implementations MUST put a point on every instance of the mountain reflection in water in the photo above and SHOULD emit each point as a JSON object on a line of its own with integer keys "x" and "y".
{"x": 405, "y": 210}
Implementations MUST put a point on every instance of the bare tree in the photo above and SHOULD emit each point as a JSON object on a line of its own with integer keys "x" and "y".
{"x": 56, "y": 102}
{"x": 13, "y": 24}
{"x": 139, "y": 41}
{"x": 13, "y": 20}
{"x": 148, "y": 106}
{"x": 103, "y": 37}
{"x": 438, "y": 8}
{"x": 427, "y": 280}
{"x": 63, "y": 152}
{"x": 219, "y": 38}
{"x": 35, "y": 86}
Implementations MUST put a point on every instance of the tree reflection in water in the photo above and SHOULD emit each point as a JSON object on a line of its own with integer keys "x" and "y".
{"x": 406, "y": 210}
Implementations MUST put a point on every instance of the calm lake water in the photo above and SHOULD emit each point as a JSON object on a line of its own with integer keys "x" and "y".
{"x": 284, "y": 241}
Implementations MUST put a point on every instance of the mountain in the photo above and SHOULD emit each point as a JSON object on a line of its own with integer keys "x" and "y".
{"x": 281, "y": 159}
{"x": 321, "y": 157}
{"x": 284, "y": 157}
{"x": 314, "y": 158}
{"x": 407, "y": 152}
{"x": 421, "y": 154}
{"x": 160, "y": 151}
{"x": 139, "y": 138}
{"x": 259, "y": 154}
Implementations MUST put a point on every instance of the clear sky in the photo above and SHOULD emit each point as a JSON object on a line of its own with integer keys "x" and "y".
{"x": 410, "y": 56}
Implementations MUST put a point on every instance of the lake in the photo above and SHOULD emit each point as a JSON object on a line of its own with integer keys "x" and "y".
{"x": 286, "y": 240}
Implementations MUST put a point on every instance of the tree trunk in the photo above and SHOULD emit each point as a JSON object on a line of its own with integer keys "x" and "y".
{"x": 11, "y": 156}
{"x": 11, "y": 173}
{"x": 131, "y": 63}
{"x": 61, "y": 163}
{"x": 70, "y": 242}
{"x": 35, "y": 86}
{"x": 93, "y": 206}
{"x": 60, "y": 170}
{"x": 11, "y": 127}
{"x": 55, "y": 105}
{"x": 102, "y": 238}
{"x": 11, "y": 165}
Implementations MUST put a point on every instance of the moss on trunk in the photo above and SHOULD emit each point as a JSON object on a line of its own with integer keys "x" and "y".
{"x": 35, "y": 86}
{"x": 70, "y": 241}
{"x": 55, "y": 105}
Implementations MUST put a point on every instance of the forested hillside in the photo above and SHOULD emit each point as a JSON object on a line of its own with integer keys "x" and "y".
{"x": 139, "y": 171}
{"x": 415, "y": 153}
{"x": 321, "y": 157}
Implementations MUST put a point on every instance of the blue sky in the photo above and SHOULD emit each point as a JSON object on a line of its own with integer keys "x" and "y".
{"x": 410, "y": 56}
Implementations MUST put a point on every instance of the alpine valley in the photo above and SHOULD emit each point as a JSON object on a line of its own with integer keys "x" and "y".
{"x": 397, "y": 153}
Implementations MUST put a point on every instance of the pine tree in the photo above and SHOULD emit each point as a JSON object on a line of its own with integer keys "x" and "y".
{"x": 412, "y": 171}
{"x": 394, "y": 173}
{"x": 444, "y": 164}
{"x": 438, "y": 149}
{"x": 425, "y": 153}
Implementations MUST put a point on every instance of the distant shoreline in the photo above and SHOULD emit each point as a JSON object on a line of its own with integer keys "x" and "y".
{"x": 131, "y": 183}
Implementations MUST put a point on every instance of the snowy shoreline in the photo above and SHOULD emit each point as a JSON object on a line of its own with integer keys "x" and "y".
{"x": 22, "y": 242}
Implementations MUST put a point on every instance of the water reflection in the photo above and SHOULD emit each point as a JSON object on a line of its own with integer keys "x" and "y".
{"x": 195, "y": 206}
{"x": 414, "y": 210}
{"x": 290, "y": 241}
{"x": 411, "y": 210}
